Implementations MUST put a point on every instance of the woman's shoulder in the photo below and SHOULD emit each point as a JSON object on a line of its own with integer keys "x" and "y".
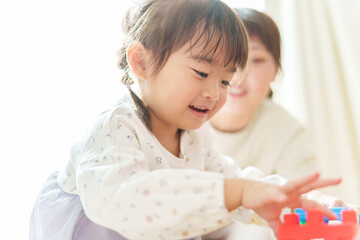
{"x": 273, "y": 112}
{"x": 272, "y": 119}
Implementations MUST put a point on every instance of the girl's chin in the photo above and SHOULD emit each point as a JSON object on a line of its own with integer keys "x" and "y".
{"x": 192, "y": 125}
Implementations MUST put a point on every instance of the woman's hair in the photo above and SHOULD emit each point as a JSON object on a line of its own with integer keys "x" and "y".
{"x": 164, "y": 26}
{"x": 260, "y": 25}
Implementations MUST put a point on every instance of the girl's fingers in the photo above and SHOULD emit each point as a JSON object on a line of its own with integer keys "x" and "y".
{"x": 300, "y": 182}
{"x": 309, "y": 204}
{"x": 308, "y": 183}
{"x": 320, "y": 183}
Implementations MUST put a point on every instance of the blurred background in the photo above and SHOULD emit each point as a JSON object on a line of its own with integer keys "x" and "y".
{"x": 320, "y": 84}
{"x": 58, "y": 71}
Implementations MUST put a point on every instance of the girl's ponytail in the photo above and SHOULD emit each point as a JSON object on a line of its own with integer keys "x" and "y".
{"x": 126, "y": 79}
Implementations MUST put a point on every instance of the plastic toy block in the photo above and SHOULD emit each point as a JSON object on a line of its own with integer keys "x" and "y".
{"x": 337, "y": 211}
{"x": 316, "y": 228}
{"x": 303, "y": 215}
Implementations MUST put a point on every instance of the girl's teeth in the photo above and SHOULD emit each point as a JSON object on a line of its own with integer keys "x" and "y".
{"x": 200, "y": 109}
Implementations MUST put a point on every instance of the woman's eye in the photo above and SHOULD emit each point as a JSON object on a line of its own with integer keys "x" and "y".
{"x": 201, "y": 74}
{"x": 257, "y": 60}
{"x": 225, "y": 83}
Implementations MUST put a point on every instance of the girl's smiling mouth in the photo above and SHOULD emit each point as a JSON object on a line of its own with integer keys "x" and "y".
{"x": 199, "y": 111}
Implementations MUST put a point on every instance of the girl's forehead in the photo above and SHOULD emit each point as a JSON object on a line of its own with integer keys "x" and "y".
{"x": 217, "y": 58}
{"x": 209, "y": 50}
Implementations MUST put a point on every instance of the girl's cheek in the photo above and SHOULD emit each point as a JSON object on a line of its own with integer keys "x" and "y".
{"x": 223, "y": 97}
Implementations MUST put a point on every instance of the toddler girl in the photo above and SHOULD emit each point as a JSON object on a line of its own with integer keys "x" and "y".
{"x": 147, "y": 169}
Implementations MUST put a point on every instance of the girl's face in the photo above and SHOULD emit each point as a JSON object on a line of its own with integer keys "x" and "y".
{"x": 188, "y": 90}
{"x": 250, "y": 88}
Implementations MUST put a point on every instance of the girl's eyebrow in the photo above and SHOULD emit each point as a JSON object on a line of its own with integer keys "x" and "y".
{"x": 208, "y": 60}
{"x": 200, "y": 58}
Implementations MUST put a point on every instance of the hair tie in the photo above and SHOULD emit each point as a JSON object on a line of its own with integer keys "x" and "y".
{"x": 126, "y": 79}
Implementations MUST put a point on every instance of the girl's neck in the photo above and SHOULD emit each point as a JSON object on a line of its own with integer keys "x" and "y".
{"x": 231, "y": 122}
{"x": 168, "y": 138}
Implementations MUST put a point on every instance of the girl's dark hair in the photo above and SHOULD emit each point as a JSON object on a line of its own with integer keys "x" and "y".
{"x": 164, "y": 26}
{"x": 260, "y": 25}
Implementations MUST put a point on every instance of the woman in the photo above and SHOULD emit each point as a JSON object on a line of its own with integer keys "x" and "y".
{"x": 250, "y": 127}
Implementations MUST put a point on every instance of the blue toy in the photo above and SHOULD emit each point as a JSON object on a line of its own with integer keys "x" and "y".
{"x": 303, "y": 215}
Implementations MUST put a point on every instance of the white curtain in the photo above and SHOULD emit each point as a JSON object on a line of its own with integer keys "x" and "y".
{"x": 321, "y": 81}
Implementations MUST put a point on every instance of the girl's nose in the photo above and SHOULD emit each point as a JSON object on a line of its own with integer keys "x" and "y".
{"x": 211, "y": 91}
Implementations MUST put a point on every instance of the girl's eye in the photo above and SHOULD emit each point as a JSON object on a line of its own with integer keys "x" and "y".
{"x": 201, "y": 74}
{"x": 225, "y": 83}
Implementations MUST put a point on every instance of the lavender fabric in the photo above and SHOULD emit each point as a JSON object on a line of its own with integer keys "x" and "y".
{"x": 58, "y": 215}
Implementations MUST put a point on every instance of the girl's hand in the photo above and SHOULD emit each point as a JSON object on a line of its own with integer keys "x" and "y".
{"x": 330, "y": 201}
{"x": 267, "y": 200}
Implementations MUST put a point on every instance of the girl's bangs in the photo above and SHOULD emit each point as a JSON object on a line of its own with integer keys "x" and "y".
{"x": 221, "y": 30}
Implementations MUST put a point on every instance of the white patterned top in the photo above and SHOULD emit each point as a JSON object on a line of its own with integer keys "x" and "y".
{"x": 128, "y": 182}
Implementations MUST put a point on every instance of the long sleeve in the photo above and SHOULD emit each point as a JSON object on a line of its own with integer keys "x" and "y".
{"x": 121, "y": 189}
{"x": 219, "y": 163}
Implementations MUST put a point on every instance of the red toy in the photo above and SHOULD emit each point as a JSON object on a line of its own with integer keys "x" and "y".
{"x": 315, "y": 228}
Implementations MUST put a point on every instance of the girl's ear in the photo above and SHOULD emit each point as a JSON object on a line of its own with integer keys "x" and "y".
{"x": 136, "y": 57}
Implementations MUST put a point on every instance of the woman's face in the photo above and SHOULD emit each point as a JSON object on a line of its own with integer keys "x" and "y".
{"x": 249, "y": 88}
